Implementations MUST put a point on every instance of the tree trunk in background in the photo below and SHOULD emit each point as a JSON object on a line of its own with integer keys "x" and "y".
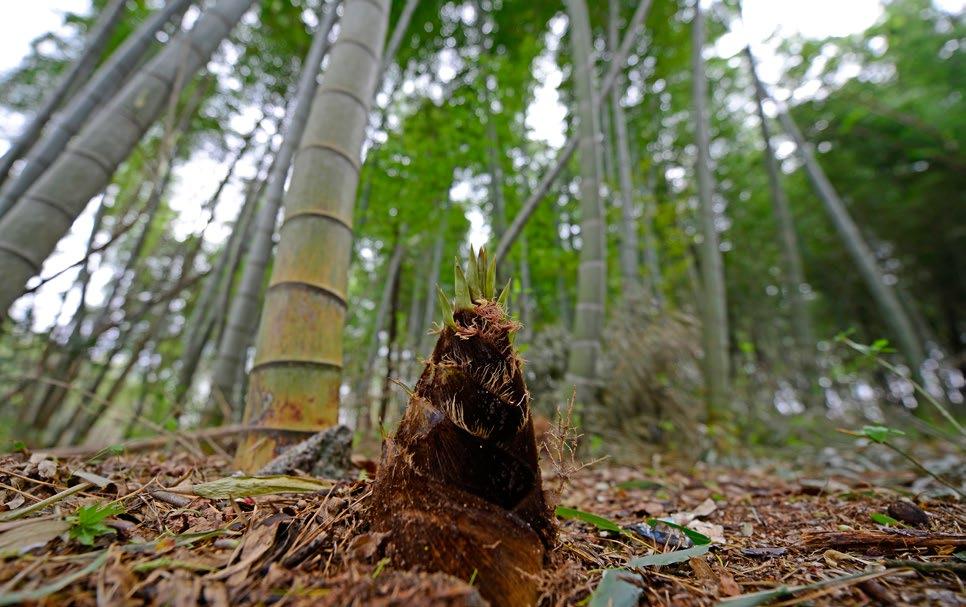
{"x": 563, "y": 298}
{"x": 92, "y": 96}
{"x": 235, "y": 251}
{"x": 81, "y": 431}
{"x": 98, "y": 36}
{"x": 242, "y": 317}
{"x": 364, "y": 387}
{"x": 536, "y": 196}
{"x": 884, "y": 295}
{"x": 32, "y": 228}
{"x": 525, "y": 302}
{"x": 209, "y": 310}
{"x": 122, "y": 279}
{"x": 429, "y": 310}
{"x": 200, "y": 322}
{"x": 414, "y": 319}
{"x": 495, "y": 154}
{"x": 629, "y": 257}
{"x": 238, "y": 247}
{"x": 592, "y": 272}
{"x": 142, "y": 403}
{"x": 391, "y": 346}
{"x": 651, "y": 259}
{"x": 294, "y": 385}
{"x": 495, "y": 168}
{"x": 48, "y": 398}
{"x": 172, "y": 288}
{"x": 617, "y": 62}
{"x": 714, "y": 306}
{"x": 608, "y": 168}
{"x": 399, "y": 30}
{"x": 496, "y": 177}
{"x": 163, "y": 169}
{"x": 794, "y": 270}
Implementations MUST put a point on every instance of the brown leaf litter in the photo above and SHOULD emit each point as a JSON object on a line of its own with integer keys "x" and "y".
{"x": 171, "y": 548}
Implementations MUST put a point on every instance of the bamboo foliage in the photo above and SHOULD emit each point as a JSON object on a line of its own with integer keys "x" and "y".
{"x": 294, "y": 384}
{"x": 48, "y": 399}
{"x": 673, "y": 206}
{"x": 31, "y": 229}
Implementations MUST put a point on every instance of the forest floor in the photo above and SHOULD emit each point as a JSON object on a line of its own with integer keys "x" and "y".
{"x": 134, "y": 529}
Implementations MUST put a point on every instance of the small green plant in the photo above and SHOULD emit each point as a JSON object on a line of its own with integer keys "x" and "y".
{"x": 379, "y": 567}
{"x": 87, "y": 524}
{"x": 873, "y": 353}
{"x": 884, "y": 519}
{"x": 882, "y": 436}
{"x": 106, "y": 452}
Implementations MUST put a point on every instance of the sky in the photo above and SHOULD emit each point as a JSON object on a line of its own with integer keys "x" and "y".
{"x": 761, "y": 20}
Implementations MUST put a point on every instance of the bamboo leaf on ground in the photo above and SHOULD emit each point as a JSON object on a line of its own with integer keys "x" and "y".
{"x": 604, "y": 524}
{"x": 168, "y": 563}
{"x": 698, "y": 538}
{"x": 884, "y": 519}
{"x": 614, "y": 591}
{"x": 249, "y": 486}
{"x": 764, "y": 597}
{"x": 22, "y": 536}
{"x": 16, "y": 598}
{"x": 669, "y": 558}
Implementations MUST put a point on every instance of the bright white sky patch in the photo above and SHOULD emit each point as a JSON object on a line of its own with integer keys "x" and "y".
{"x": 813, "y": 19}
{"x": 29, "y": 20}
{"x": 545, "y": 116}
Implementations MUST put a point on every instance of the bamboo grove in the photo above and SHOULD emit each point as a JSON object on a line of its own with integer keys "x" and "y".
{"x": 237, "y": 213}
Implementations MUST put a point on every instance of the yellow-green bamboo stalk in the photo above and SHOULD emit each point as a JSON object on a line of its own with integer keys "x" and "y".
{"x": 294, "y": 385}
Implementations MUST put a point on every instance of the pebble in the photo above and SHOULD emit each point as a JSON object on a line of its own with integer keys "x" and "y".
{"x": 908, "y": 513}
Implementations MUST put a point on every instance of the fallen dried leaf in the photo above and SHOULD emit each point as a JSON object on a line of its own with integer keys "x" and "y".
{"x": 702, "y": 570}
{"x": 727, "y": 585}
{"x": 705, "y": 508}
{"x": 15, "y": 598}
{"x": 22, "y": 536}
{"x": 364, "y": 546}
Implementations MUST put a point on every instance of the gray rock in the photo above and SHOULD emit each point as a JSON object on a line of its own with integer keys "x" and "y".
{"x": 325, "y": 455}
